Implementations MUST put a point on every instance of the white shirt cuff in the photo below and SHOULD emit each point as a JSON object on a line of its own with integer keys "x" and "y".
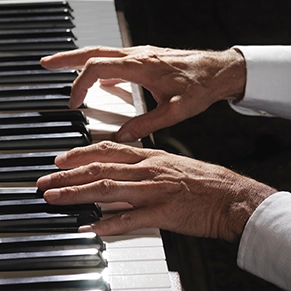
{"x": 265, "y": 246}
{"x": 268, "y": 84}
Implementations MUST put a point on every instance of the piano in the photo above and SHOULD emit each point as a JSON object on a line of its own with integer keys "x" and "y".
{"x": 40, "y": 248}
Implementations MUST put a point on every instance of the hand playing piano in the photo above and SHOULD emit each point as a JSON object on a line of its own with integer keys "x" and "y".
{"x": 167, "y": 191}
{"x": 183, "y": 82}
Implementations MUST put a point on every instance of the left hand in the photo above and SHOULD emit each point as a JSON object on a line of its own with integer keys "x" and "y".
{"x": 166, "y": 191}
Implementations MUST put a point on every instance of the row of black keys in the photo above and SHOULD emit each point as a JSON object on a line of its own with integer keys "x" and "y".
{"x": 38, "y": 131}
{"x": 53, "y": 252}
{"x": 25, "y": 210}
{"x": 26, "y": 86}
{"x": 38, "y": 14}
{"x": 29, "y": 32}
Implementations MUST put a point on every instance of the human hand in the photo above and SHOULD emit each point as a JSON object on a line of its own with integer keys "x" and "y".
{"x": 183, "y": 82}
{"x": 166, "y": 191}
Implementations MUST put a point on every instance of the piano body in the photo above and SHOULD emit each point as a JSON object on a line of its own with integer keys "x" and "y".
{"x": 39, "y": 246}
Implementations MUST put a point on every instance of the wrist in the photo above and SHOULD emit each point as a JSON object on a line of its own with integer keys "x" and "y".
{"x": 232, "y": 79}
{"x": 247, "y": 195}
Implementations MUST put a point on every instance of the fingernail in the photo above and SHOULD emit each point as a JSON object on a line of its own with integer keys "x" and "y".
{"x": 86, "y": 228}
{"x": 43, "y": 183}
{"x": 125, "y": 137}
{"x": 52, "y": 195}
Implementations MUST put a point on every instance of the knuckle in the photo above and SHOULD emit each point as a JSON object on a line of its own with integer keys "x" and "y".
{"x": 102, "y": 227}
{"x": 174, "y": 109}
{"x": 90, "y": 64}
{"x": 96, "y": 171}
{"x": 70, "y": 194}
{"x": 75, "y": 152}
{"x": 93, "y": 170}
{"x": 106, "y": 187}
{"x": 63, "y": 176}
{"x": 126, "y": 221}
{"x": 107, "y": 147}
{"x": 91, "y": 51}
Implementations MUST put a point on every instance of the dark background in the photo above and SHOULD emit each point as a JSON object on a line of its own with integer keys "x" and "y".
{"x": 255, "y": 146}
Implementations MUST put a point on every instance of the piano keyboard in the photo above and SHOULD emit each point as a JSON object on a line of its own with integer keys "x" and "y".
{"x": 39, "y": 246}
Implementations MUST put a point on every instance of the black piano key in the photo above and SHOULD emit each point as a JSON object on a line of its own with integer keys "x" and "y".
{"x": 34, "y": 103}
{"x": 25, "y": 173}
{"x": 52, "y": 260}
{"x": 28, "y": 159}
{"x": 43, "y": 116}
{"x": 77, "y": 282}
{"x": 23, "y": 167}
{"x": 39, "y": 11}
{"x": 43, "y": 127}
{"x": 37, "y": 33}
{"x": 26, "y": 55}
{"x": 36, "y": 90}
{"x": 20, "y": 65}
{"x": 35, "y": 97}
{"x": 42, "y": 222}
{"x": 36, "y": 21}
{"x": 31, "y": 44}
{"x": 51, "y": 242}
{"x": 37, "y": 76}
{"x": 20, "y": 193}
{"x": 40, "y": 205}
{"x": 36, "y": 5}
{"x": 64, "y": 140}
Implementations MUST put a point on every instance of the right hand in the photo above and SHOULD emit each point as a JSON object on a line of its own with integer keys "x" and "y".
{"x": 183, "y": 82}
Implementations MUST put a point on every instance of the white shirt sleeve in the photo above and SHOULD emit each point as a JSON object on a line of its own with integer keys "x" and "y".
{"x": 268, "y": 81}
{"x": 265, "y": 246}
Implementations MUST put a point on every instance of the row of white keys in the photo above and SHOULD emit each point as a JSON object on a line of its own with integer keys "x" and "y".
{"x": 136, "y": 261}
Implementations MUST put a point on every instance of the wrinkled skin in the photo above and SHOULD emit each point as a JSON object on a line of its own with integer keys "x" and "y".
{"x": 183, "y": 82}
{"x": 166, "y": 191}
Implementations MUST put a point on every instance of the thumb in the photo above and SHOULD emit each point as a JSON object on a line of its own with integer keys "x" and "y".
{"x": 145, "y": 124}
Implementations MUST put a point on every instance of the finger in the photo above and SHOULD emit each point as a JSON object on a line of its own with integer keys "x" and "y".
{"x": 88, "y": 174}
{"x": 104, "y": 191}
{"x": 145, "y": 124}
{"x": 77, "y": 58}
{"x": 136, "y": 193}
{"x": 122, "y": 223}
{"x": 104, "y": 68}
{"x": 110, "y": 82}
{"x": 105, "y": 152}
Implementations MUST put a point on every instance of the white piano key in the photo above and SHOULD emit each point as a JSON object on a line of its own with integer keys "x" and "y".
{"x": 136, "y": 267}
{"x": 96, "y": 23}
{"x": 108, "y": 108}
{"x": 139, "y": 254}
{"x": 130, "y": 241}
{"x": 150, "y": 281}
